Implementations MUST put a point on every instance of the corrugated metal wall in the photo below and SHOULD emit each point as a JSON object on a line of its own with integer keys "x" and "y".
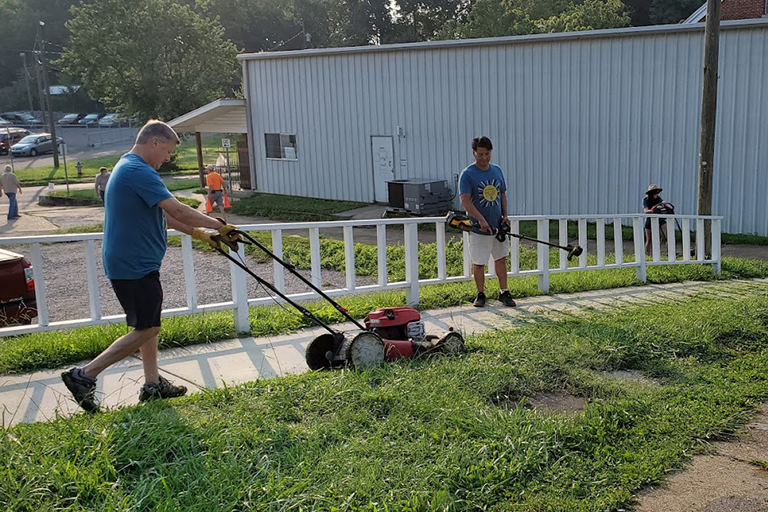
{"x": 578, "y": 125}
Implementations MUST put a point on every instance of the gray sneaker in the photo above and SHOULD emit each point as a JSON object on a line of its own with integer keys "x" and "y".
{"x": 507, "y": 300}
{"x": 480, "y": 300}
{"x": 161, "y": 389}
{"x": 83, "y": 389}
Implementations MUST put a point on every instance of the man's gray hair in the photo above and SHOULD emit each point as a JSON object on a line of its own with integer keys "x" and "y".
{"x": 155, "y": 129}
{"x": 8, "y": 168}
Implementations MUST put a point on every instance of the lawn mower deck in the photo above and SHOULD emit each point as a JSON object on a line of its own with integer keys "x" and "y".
{"x": 390, "y": 334}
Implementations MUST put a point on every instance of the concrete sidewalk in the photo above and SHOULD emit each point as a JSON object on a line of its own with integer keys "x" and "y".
{"x": 41, "y": 396}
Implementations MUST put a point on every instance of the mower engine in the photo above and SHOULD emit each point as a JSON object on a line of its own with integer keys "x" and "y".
{"x": 403, "y": 333}
{"x": 391, "y": 334}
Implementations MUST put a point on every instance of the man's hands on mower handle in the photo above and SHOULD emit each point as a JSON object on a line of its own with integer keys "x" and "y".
{"x": 207, "y": 236}
{"x": 227, "y": 234}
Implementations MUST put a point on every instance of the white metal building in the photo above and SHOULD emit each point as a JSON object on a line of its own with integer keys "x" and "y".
{"x": 581, "y": 122}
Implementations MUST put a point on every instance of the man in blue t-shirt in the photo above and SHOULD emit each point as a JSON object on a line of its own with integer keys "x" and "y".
{"x": 483, "y": 192}
{"x": 138, "y": 209}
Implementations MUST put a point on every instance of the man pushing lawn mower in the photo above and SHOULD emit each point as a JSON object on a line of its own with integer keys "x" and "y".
{"x": 138, "y": 208}
{"x": 483, "y": 192}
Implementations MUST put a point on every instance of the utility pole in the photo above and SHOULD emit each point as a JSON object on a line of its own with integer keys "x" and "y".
{"x": 40, "y": 98}
{"x": 26, "y": 80}
{"x": 708, "y": 117}
{"x": 51, "y": 123}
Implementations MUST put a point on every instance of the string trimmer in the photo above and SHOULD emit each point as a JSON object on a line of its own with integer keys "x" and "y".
{"x": 464, "y": 223}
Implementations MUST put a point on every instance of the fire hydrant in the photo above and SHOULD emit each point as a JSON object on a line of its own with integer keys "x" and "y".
{"x": 79, "y": 169}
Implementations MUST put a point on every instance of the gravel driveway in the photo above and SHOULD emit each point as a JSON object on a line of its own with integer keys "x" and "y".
{"x": 67, "y": 288}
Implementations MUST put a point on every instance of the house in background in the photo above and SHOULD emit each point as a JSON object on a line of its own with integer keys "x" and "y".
{"x": 733, "y": 10}
{"x": 581, "y": 122}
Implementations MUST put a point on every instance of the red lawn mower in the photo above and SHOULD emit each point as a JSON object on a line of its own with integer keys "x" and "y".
{"x": 387, "y": 335}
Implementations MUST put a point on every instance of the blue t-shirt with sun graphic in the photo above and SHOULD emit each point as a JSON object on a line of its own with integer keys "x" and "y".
{"x": 486, "y": 188}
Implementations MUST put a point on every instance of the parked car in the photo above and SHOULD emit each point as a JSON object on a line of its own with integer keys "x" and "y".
{"x": 18, "y": 303}
{"x": 111, "y": 120}
{"x": 35, "y": 144}
{"x": 90, "y": 119}
{"x": 10, "y": 135}
{"x": 3, "y": 122}
{"x": 21, "y": 118}
{"x": 71, "y": 119}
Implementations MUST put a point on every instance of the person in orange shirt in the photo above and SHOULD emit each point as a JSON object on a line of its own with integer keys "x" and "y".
{"x": 215, "y": 184}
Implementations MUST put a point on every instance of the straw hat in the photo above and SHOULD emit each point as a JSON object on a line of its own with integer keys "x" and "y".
{"x": 653, "y": 188}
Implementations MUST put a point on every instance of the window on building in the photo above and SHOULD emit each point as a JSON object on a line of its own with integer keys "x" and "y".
{"x": 281, "y": 145}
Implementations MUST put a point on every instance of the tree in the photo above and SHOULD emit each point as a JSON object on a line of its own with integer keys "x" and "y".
{"x": 591, "y": 15}
{"x": 422, "y": 20}
{"x": 155, "y": 58}
{"x": 493, "y": 18}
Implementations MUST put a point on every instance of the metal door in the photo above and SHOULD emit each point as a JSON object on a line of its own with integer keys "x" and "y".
{"x": 383, "y": 155}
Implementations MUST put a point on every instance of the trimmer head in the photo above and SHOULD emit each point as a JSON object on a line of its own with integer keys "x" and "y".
{"x": 574, "y": 251}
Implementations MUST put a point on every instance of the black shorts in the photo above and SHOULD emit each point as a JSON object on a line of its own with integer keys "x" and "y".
{"x": 141, "y": 299}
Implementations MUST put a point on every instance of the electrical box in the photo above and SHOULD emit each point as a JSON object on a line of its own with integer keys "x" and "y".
{"x": 419, "y": 196}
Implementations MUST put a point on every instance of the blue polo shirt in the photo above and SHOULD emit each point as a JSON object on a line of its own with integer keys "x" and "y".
{"x": 485, "y": 188}
{"x": 134, "y": 225}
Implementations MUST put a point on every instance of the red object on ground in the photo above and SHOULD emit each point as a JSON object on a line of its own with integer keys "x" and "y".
{"x": 17, "y": 289}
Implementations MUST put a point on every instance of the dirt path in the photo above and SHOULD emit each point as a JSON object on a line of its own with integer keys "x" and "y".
{"x": 728, "y": 478}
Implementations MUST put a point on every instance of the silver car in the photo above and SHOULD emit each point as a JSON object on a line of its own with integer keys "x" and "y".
{"x": 35, "y": 144}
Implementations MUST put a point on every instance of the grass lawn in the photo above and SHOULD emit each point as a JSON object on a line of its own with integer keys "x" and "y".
{"x": 448, "y": 434}
{"x": 298, "y": 209}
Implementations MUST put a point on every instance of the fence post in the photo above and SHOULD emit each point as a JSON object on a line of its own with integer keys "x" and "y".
{"x": 93, "y": 280}
{"x": 277, "y": 268}
{"x": 637, "y": 231}
{"x": 467, "y": 256}
{"x": 700, "y": 238}
{"x": 583, "y": 242}
{"x": 187, "y": 256}
{"x": 600, "y": 224}
{"x": 314, "y": 249}
{"x": 381, "y": 253}
{"x": 440, "y": 231}
{"x": 618, "y": 241}
{"x": 562, "y": 228}
{"x": 716, "y": 253}
{"x": 349, "y": 257}
{"x": 543, "y": 253}
{"x": 412, "y": 264}
{"x": 686, "y": 226}
{"x": 36, "y": 257}
{"x": 240, "y": 293}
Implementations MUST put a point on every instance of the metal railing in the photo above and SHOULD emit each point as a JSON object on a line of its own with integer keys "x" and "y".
{"x": 412, "y": 283}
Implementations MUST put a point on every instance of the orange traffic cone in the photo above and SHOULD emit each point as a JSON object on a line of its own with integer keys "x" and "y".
{"x": 227, "y": 204}
{"x": 208, "y": 205}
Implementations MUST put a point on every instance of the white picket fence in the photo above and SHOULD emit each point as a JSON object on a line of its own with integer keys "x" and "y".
{"x": 240, "y": 301}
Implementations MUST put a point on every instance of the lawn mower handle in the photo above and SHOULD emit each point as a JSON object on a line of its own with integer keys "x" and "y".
{"x": 248, "y": 239}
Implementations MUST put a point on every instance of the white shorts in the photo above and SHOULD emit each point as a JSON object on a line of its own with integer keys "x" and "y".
{"x": 483, "y": 247}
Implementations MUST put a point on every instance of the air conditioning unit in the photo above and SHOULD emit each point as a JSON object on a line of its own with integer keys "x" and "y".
{"x": 419, "y": 196}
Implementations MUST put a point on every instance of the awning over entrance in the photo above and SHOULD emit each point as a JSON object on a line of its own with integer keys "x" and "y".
{"x": 220, "y": 116}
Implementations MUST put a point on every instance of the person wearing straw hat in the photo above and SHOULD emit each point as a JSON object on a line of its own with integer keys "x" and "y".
{"x": 650, "y": 201}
